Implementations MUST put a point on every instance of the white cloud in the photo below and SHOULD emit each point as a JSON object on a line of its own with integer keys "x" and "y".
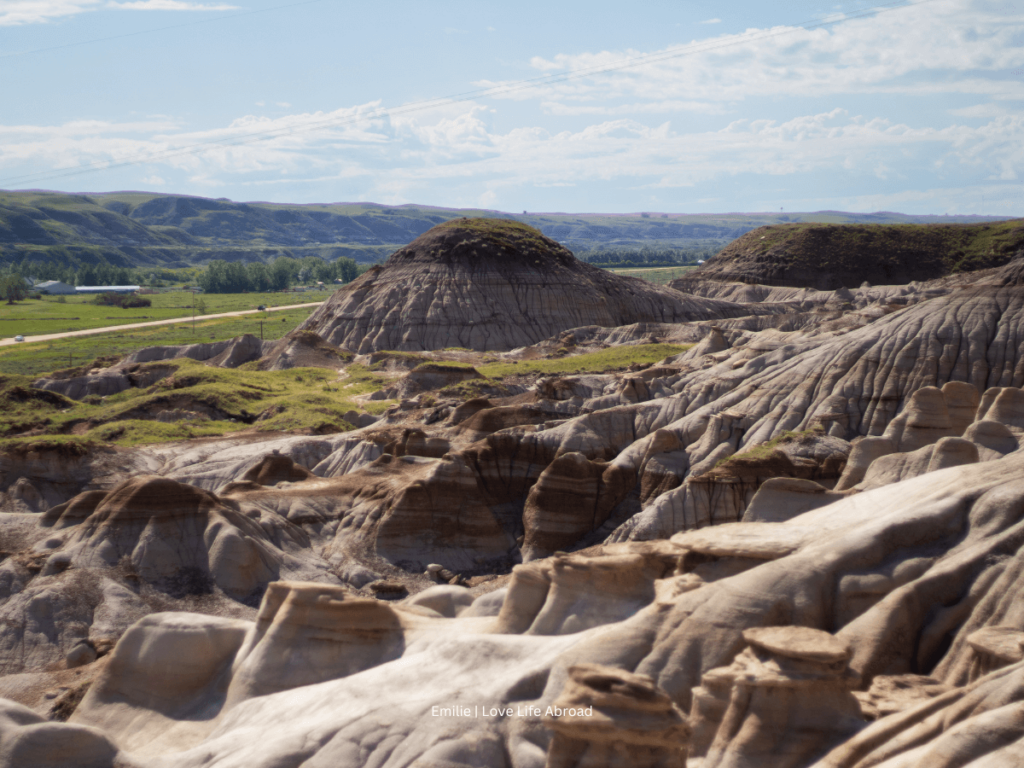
{"x": 710, "y": 21}
{"x": 682, "y": 123}
{"x": 404, "y": 157}
{"x": 537, "y": 62}
{"x": 949, "y": 47}
{"x": 15, "y": 12}
{"x": 169, "y": 5}
{"x": 981, "y": 111}
{"x": 634, "y": 108}
{"x": 84, "y": 127}
{"x": 18, "y": 12}
{"x": 154, "y": 180}
{"x": 248, "y": 145}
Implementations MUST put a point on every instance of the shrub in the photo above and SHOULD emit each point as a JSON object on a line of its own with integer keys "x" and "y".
{"x": 12, "y": 288}
{"x": 120, "y": 300}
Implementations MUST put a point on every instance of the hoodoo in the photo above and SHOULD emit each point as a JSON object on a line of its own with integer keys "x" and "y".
{"x": 491, "y": 284}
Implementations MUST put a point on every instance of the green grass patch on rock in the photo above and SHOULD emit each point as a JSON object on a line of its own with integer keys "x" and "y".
{"x": 611, "y": 359}
{"x": 467, "y": 390}
{"x": 23, "y": 408}
{"x": 443, "y": 366}
{"x": 386, "y": 359}
{"x": 195, "y": 400}
{"x": 656, "y": 275}
{"x": 766, "y": 450}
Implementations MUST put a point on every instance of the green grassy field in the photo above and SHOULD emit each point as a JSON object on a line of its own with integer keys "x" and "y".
{"x": 36, "y": 317}
{"x": 229, "y": 400}
{"x": 35, "y": 359}
{"x": 658, "y": 275}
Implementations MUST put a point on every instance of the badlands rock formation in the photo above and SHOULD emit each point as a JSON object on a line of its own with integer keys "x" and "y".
{"x": 829, "y": 256}
{"x": 796, "y": 546}
{"x": 491, "y": 284}
{"x": 297, "y": 349}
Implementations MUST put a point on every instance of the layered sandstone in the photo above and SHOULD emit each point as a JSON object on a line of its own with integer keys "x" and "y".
{"x": 490, "y": 284}
{"x": 782, "y": 547}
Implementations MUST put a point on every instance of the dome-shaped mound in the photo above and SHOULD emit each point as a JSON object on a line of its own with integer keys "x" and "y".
{"x": 490, "y": 284}
{"x": 831, "y": 256}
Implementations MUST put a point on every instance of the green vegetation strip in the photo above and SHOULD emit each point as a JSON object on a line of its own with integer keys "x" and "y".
{"x": 37, "y": 317}
{"x": 611, "y": 359}
{"x": 205, "y": 400}
{"x": 765, "y": 450}
{"x": 657, "y": 275}
{"x": 45, "y": 356}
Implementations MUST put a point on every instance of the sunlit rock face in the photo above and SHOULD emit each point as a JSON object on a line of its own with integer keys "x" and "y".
{"x": 880, "y": 627}
{"x": 491, "y": 284}
{"x": 785, "y": 548}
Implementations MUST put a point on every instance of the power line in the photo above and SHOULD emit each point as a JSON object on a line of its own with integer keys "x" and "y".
{"x": 418, "y": 106}
{"x": 224, "y": 17}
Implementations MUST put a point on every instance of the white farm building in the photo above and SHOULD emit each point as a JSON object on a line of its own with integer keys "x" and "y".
{"x": 106, "y": 289}
{"x": 55, "y": 288}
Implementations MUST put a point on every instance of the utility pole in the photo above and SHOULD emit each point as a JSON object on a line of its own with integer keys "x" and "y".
{"x": 193, "y": 312}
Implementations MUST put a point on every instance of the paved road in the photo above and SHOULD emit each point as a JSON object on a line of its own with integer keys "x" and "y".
{"x": 109, "y": 328}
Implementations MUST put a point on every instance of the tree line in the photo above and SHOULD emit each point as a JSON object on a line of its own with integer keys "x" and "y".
{"x": 97, "y": 274}
{"x": 648, "y": 256}
{"x": 218, "y": 277}
{"x": 284, "y": 272}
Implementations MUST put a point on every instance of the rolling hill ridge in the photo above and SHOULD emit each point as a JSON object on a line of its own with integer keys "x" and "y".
{"x": 141, "y": 229}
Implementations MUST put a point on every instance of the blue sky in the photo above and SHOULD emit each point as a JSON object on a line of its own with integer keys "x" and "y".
{"x": 914, "y": 106}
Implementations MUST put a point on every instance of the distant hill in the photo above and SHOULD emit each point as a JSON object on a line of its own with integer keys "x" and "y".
{"x": 830, "y": 256}
{"x": 143, "y": 229}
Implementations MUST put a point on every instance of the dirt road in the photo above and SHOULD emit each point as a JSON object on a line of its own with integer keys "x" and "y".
{"x": 109, "y": 328}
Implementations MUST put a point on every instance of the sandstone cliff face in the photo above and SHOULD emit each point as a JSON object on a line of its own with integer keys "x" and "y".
{"x": 490, "y": 284}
